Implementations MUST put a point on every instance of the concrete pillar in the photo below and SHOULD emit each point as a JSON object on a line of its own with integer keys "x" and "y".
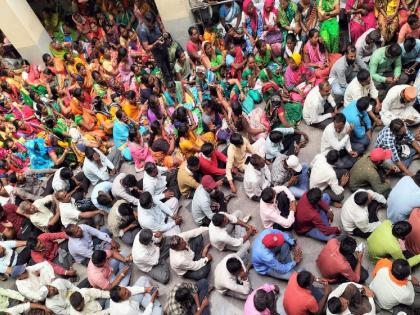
{"x": 176, "y": 17}
{"x": 24, "y": 30}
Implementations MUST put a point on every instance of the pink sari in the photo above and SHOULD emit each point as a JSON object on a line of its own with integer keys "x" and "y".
{"x": 298, "y": 79}
{"x": 319, "y": 58}
{"x": 359, "y": 23}
{"x": 140, "y": 154}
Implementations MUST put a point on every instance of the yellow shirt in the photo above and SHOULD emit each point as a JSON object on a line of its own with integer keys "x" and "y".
{"x": 236, "y": 157}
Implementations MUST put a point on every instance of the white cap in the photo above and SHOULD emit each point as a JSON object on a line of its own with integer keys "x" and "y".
{"x": 293, "y": 162}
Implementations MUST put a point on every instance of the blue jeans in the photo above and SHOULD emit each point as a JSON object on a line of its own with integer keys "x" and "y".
{"x": 302, "y": 186}
{"x": 117, "y": 266}
{"x": 284, "y": 256}
{"x": 409, "y": 159}
{"x": 315, "y": 232}
{"x": 144, "y": 299}
{"x": 359, "y": 145}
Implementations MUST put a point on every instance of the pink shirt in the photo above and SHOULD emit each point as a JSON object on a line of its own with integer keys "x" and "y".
{"x": 407, "y": 32}
{"x": 99, "y": 276}
{"x": 270, "y": 214}
{"x": 249, "y": 308}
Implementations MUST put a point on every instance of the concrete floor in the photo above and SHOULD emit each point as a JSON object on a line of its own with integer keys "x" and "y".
{"x": 222, "y": 305}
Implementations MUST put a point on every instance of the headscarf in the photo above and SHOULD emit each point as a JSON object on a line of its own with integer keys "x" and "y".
{"x": 253, "y": 17}
{"x": 297, "y": 58}
{"x": 274, "y": 10}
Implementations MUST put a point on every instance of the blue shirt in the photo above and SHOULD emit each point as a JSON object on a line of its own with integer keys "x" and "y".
{"x": 273, "y": 150}
{"x": 403, "y": 198}
{"x": 264, "y": 259}
{"x": 413, "y": 55}
{"x": 360, "y": 120}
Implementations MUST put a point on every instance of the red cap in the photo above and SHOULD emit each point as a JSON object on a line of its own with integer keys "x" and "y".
{"x": 273, "y": 240}
{"x": 380, "y": 154}
{"x": 208, "y": 182}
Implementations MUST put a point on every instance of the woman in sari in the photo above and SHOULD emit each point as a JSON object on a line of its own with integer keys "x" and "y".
{"x": 387, "y": 15}
{"x": 84, "y": 78}
{"x": 252, "y": 24}
{"x": 408, "y": 7}
{"x": 286, "y": 16}
{"x": 139, "y": 150}
{"x": 316, "y": 56}
{"x": 189, "y": 143}
{"x": 292, "y": 46}
{"x": 362, "y": 17}
{"x": 130, "y": 106}
{"x": 306, "y": 17}
{"x": 299, "y": 78}
{"x": 328, "y": 11}
{"x": 235, "y": 61}
{"x": 38, "y": 154}
{"x": 120, "y": 132}
{"x": 212, "y": 60}
{"x": 272, "y": 33}
{"x": 251, "y": 85}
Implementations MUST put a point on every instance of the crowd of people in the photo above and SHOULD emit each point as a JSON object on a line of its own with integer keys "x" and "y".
{"x": 117, "y": 89}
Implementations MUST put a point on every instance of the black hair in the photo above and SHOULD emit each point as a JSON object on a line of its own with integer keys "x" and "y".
{"x": 396, "y": 125}
{"x": 98, "y": 257}
{"x": 292, "y": 37}
{"x": 149, "y": 167}
{"x": 145, "y": 236}
{"x": 363, "y": 75}
{"x": 321, "y": 45}
{"x": 394, "y": 50}
{"x": 267, "y": 194}
{"x": 45, "y": 57}
{"x": 193, "y": 161}
{"x": 304, "y": 279}
{"x": 334, "y": 305}
{"x": 12, "y": 178}
{"x": 236, "y": 108}
{"x": 31, "y": 243}
{"x": 363, "y": 103}
{"x": 416, "y": 178}
{"x": 76, "y": 299}
{"x": 361, "y": 198}
{"x": 233, "y": 265}
{"x": 130, "y": 94}
{"x": 332, "y": 157}
{"x": 150, "y": 17}
{"x": 129, "y": 180}
{"x": 114, "y": 294}
{"x": 69, "y": 230}
{"x": 412, "y": 19}
{"x": 276, "y": 136}
{"x": 314, "y": 195}
{"x": 260, "y": 300}
{"x": 340, "y": 118}
{"x": 236, "y": 139}
{"x": 191, "y": 29}
{"x": 401, "y": 269}
{"x": 66, "y": 173}
{"x": 104, "y": 201}
{"x": 259, "y": 44}
{"x": 323, "y": 84}
{"x": 77, "y": 92}
{"x": 401, "y": 229}
{"x": 348, "y": 246}
{"x": 89, "y": 152}
{"x": 146, "y": 200}
{"x": 184, "y": 296}
{"x": 255, "y": 159}
{"x": 409, "y": 44}
{"x": 218, "y": 219}
{"x": 125, "y": 209}
{"x": 207, "y": 149}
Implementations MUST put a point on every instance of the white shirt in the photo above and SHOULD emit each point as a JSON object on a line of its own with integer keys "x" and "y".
{"x": 323, "y": 175}
{"x": 94, "y": 172}
{"x": 30, "y": 286}
{"x": 41, "y": 218}
{"x": 154, "y": 218}
{"x": 60, "y": 303}
{"x": 363, "y": 51}
{"x": 224, "y": 280}
{"x": 155, "y": 185}
{"x": 68, "y": 213}
{"x": 219, "y": 236}
{"x": 130, "y": 306}
{"x": 387, "y": 293}
{"x": 338, "y": 292}
{"x": 313, "y": 108}
{"x": 145, "y": 256}
{"x": 183, "y": 260}
{"x": 59, "y": 184}
{"x": 331, "y": 140}
{"x": 92, "y": 306}
{"x": 105, "y": 187}
{"x": 354, "y": 216}
{"x": 120, "y": 192}
{"x": 256, "y": 180}
{"x": 355, "y": 90}
{"x": 392, "y": 107}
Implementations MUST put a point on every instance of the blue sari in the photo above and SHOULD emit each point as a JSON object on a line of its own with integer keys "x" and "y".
{"x": 38, "y": 154}
{"x": 120, "y": 135}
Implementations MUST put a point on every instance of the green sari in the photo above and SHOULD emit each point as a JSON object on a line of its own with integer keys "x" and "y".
{"x": 330, "y": 30}
{"x": 285, "y": 17}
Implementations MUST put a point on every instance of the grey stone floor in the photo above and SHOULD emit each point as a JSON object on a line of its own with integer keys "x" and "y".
{"x": 221, "y": 305}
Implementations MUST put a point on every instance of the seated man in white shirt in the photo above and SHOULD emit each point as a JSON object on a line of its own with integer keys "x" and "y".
{"x": 257, "y": 177}
{"x": 277, "y": 208}
{"x": 161, "y": 186}
{"x": 319, "y": 107}
{"x": 190, "y": 260}
{"x": 132, "y": 300}
{"x": 40, "y": 215}
{"x": 89, "y": 301}
{"x": 158, "y": 216}
{"x": 124, "y": 186}
{"x": 101, "y": 196}
{"x": 286, "y": 141}
{"x": 63, "y": 179}
{"x": 329, "y": 180}
{"x": 336, "y": 136}
{"x": 228, "y": 231}
{"x": 30, "y": 282}
{"x": 150, "y": 253}
{"x": 359, "y": 213}
{"x": 69, "y": 213}
{"x": 96, "y": 166}
{"x": 57, "y": 295}
{"x": 399, "y": 103}
{"x": 231, "y": 275}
